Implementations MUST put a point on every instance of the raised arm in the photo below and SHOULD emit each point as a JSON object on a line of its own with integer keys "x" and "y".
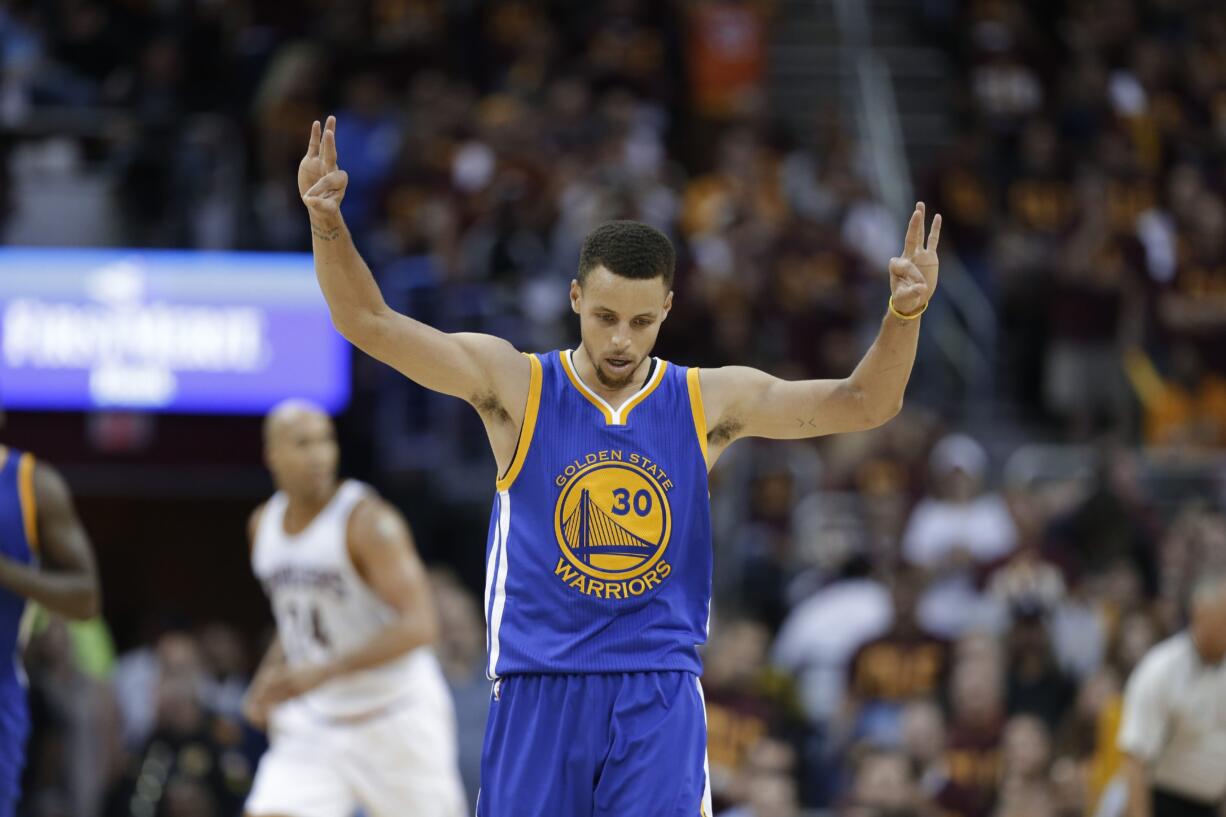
{"x": 66, "y": 580}
{"x": 473, "y": 367}
{"x": 744, "y": 402}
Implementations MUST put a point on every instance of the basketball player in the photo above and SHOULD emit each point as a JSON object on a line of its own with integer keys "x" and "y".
{"x": 356, "y": 705}
{"x": 598, "y": 581}
{"x": 45, "y": 557}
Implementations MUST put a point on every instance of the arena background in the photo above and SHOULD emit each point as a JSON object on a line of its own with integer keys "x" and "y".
{"x": 907, "y": 622}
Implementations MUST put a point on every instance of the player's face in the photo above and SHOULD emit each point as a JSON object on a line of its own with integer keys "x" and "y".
{"x": 302, "y": 456}
{"x": 619, "y": 319}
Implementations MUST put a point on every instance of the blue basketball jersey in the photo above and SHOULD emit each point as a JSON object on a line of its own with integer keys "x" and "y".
{"x": 18, "y": 541}
{"x": 599, "y": 551}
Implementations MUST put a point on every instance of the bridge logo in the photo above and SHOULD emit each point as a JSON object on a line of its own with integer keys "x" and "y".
{"x": 613, "y": 523}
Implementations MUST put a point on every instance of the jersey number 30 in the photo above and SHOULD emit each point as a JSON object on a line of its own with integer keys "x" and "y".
{"x": 623, "y": 503}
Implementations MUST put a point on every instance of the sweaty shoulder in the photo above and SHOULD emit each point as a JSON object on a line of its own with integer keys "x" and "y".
{"x": 373, "y": 519}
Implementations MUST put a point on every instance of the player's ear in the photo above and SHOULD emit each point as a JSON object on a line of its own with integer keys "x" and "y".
{"x": 576, "y": 292}
{"x": 668, "y": 305}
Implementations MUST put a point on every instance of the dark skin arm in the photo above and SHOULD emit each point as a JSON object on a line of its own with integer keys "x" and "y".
{"x": 382, "y": 549}
{"x": 66, "y": 581}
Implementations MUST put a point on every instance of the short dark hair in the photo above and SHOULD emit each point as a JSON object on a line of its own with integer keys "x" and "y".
{"x": 629, "y": 249}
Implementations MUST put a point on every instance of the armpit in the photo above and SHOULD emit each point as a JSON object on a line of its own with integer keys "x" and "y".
{"x": 488, "y": 405}
{"x": 725, "y": 432}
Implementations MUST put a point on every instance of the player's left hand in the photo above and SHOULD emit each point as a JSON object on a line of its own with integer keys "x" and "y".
{"x": 286, "y": 682}
{"x": 321, "y": 183}
{"x": 913, "y": 275}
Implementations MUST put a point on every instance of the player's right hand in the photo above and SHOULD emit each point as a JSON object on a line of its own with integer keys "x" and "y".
{"x": 321, "y": 184}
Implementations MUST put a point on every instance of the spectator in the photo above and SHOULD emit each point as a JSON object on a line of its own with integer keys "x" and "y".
{"x": 1026, "y": 752}
{"x": 185, "y": 753}
{"x": 924, "y": 742}
{"x": 227, "y": 668}
{"x": 1036, "y": 685}
{"x": 767, "y": 784}
{"x": 727, "y": 57}
{"x": 1187, "y": 406}
{"x": 903, "y": 664}
{"x": 139, "y": 673}
{"x": 1096, "y": 282}
{"x": 823, "y": 632}
{"x": 973, "y": 753}
{"x": 884, "y": 784}
{"x": 746, "y": 701}
{"x": 954, "y": 532}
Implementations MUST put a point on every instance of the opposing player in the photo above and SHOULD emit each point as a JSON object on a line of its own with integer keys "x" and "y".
{"x": 357, "y": 708}
{"x": 45, "y": 558}
{"x": 598, "y": 580}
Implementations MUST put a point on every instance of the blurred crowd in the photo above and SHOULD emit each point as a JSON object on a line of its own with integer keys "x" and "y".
{"x": 1085, "y": 192}
{"x": 912, "y": 621}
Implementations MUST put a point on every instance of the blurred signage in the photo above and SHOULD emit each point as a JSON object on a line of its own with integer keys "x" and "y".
{"x": 181, "y": 331}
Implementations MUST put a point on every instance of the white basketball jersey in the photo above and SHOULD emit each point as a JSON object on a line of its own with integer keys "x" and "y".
{"x": 324, "y": 609}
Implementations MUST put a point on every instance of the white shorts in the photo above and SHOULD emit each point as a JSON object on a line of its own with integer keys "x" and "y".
{"x": 400, "y": 763}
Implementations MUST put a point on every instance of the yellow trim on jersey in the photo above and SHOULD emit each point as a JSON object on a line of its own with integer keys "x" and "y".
{"x": 657, "y": 379}
{"x": 29, "y": 504}
{"x": 700, "y": 414}
{"x": 583, "y": 389}
{"x": 531, "y": 410}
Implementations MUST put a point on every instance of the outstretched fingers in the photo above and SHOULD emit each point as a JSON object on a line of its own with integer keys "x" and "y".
{"x": 327, "y": 150}
{"x": 934, "y": 235}
{"x": 313, "y": 144}
{"x": 915, "y": 232}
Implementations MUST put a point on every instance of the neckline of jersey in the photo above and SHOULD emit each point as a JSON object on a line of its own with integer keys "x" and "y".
{"x": 619, "y": 415}
{"x": 293, "y": 537}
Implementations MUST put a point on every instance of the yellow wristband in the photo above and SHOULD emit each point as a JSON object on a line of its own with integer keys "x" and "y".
{"x": 900, "y": 315}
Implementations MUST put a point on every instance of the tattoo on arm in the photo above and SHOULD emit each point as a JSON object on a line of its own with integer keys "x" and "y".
{"x": 325, "y": 235}
{"x": 801, "y": 423}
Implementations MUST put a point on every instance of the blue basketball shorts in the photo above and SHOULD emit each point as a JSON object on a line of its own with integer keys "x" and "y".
{"x": 596, "y": 746}
{"x": 12, "y": 763}
{"x": 14, "y": 731}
